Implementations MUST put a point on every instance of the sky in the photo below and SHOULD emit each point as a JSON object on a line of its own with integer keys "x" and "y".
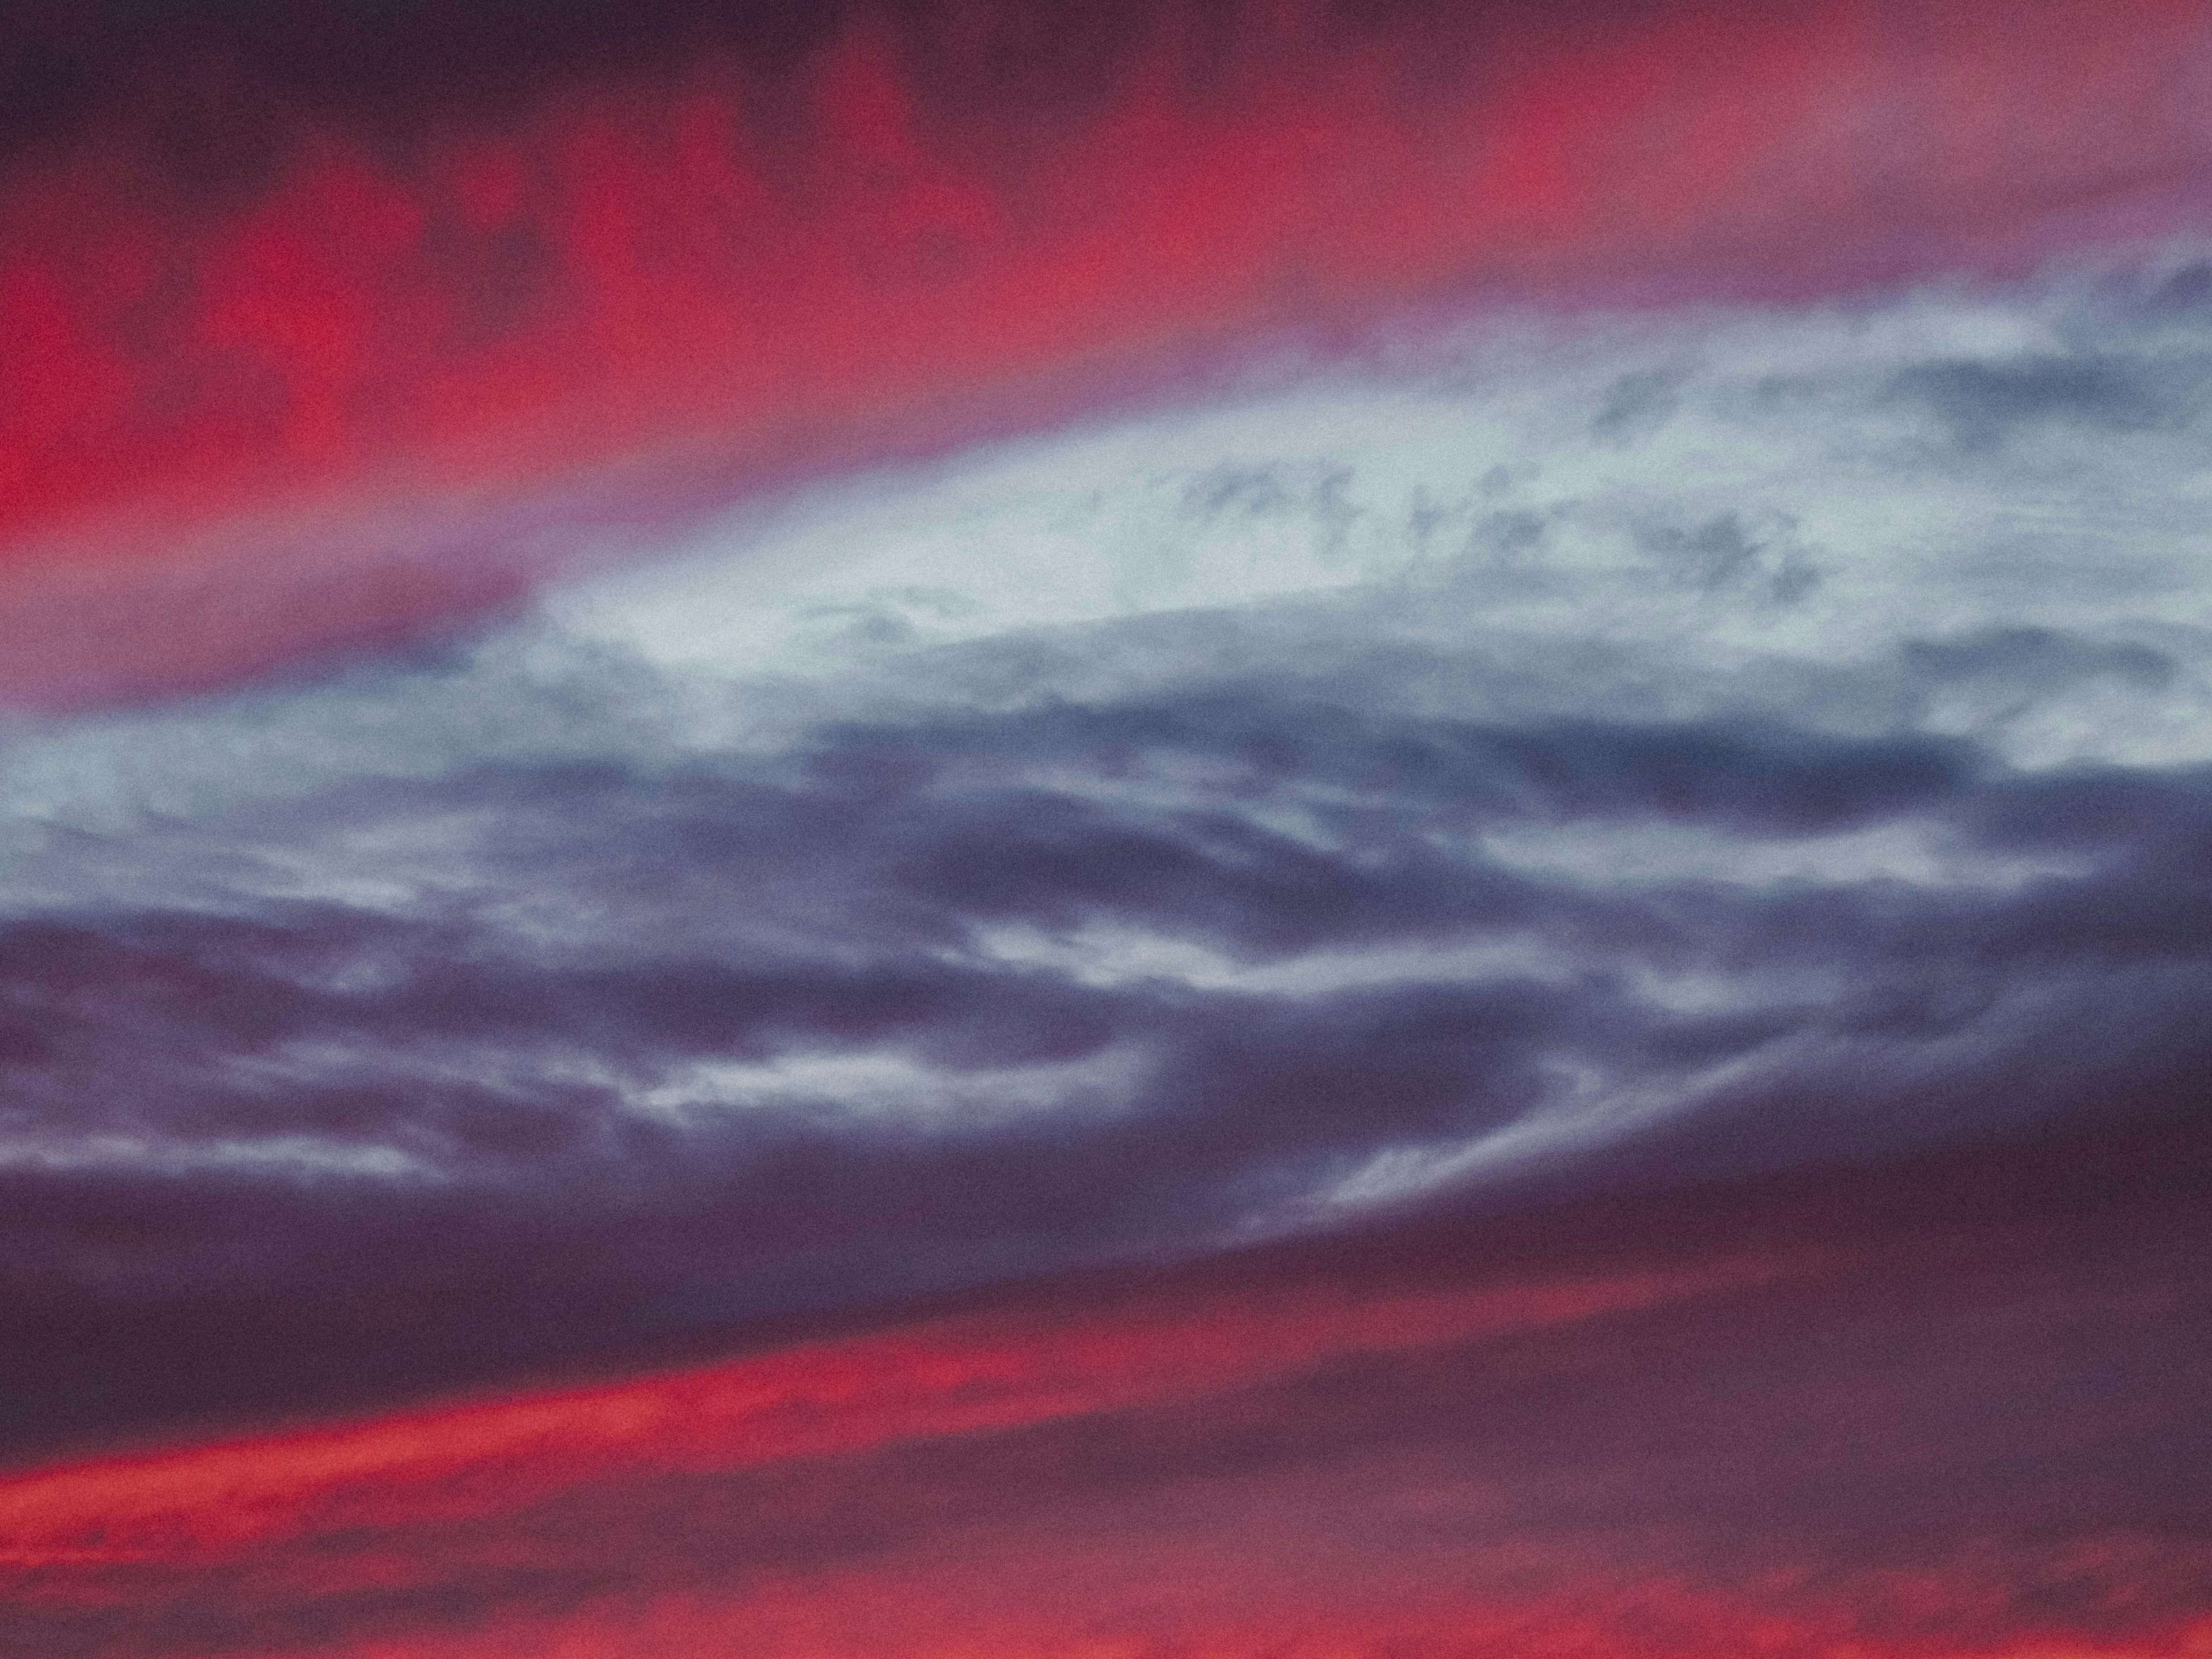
{"x": 967, "y": 832}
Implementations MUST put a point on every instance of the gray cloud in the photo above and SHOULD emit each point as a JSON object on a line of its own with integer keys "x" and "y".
{"x": 1384, "y": 792}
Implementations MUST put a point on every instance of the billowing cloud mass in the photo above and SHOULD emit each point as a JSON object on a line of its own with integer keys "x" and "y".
{"x": 1732, "y": 745}
{"x": 1619, "y": 908}
{"x": 1186, "y": 829}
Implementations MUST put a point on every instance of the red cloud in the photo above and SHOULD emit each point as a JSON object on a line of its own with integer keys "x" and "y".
{"x": 1321, "y": 1457}
{"x": 378, "y": 383}
{"x": 980, "y": 1374}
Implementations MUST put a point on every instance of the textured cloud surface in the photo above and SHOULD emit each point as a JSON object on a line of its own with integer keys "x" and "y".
{"x": 1556, "y": 759}
{"x": 319, "y": 321}
{"x": 1960, "y": 1411}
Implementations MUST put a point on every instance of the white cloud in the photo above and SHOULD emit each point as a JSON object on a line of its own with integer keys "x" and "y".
{"x": 1106, "y": 956}
{"x": 1651, "y": 852}
{"x": 1386, "y": 696}
{"x": 296, "y": 1156}
{"x": 884, "y": 1086}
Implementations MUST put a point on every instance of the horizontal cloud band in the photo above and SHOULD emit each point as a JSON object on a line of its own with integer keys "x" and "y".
{"x": 1709, "y": 751}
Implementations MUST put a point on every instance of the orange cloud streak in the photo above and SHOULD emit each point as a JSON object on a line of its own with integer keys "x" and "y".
{"x": 1356, "y": 1462}
{"x": 974, "y": 1374}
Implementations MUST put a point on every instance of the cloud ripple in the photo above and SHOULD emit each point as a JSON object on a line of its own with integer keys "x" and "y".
{"x": 1778, "y": 740}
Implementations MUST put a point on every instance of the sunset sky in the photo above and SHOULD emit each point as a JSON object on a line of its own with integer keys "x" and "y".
{"x": 967, "y": 829}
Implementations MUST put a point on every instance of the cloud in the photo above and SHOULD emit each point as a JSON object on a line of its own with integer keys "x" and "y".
{"x": 1937, "y": 1417}
{"x": 1688, "y": 745}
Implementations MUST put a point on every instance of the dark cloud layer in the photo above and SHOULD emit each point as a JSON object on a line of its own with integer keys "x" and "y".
{"x": 463, "y": 1169}
{"x": 541, "y": 1003}
{"x": 1958, "y": 1399}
